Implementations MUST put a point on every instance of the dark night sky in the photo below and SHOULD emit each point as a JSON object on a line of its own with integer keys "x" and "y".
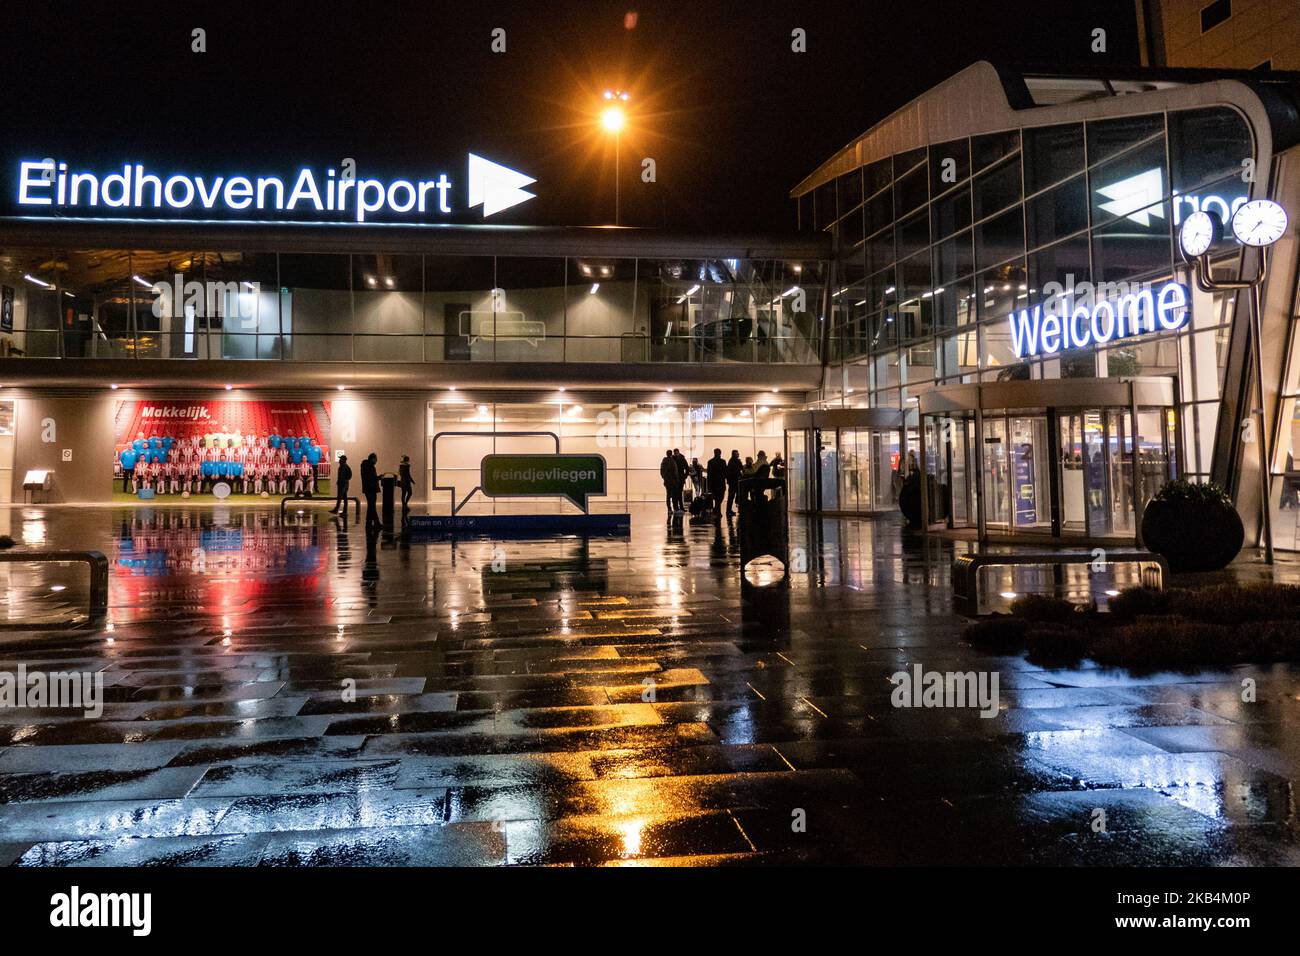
{"x": 731, "y": 115}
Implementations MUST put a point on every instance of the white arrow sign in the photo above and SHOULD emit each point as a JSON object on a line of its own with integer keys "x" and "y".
{"x": 1137, "y": 198}
{"x": 495, "y": 187}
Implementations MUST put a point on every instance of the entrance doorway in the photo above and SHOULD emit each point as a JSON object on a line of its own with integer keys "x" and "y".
{"x": 844, "y": 460}
{"x": 1056, "y": 469}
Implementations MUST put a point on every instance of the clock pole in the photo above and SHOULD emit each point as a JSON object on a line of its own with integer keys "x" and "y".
{"x": 1201, "y": 267}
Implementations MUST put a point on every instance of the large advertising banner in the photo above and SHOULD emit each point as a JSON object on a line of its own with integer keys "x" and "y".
{"x": 188, "y": 447}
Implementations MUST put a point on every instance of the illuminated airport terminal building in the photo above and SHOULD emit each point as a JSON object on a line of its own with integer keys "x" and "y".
{"x": 909, "y": 315}
{"x": 959, "y": 220}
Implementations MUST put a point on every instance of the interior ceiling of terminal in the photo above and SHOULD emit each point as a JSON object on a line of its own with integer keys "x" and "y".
{"x": 98, "y": 271}
{"x": 102, "y": 270}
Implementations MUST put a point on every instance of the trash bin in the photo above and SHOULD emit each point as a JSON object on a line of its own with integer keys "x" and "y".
{"x": 388, "y": 487}
{"x": 762, "y": 528}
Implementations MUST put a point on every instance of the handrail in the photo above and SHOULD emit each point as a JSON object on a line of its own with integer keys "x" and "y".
{"x": 95, "y": 560}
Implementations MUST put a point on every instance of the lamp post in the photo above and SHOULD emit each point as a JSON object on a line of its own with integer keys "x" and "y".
{"x": 1259, "y": 224}
{"x": 612, "y": 119}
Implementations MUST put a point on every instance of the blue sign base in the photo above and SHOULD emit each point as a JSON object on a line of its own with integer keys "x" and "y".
{"x": 613, "y": 525}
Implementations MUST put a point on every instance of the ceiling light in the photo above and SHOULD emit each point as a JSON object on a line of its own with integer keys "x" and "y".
{"x": 229, "y": 387}
{"x": 41, "y": 282}
{"x": 594, "y": 287}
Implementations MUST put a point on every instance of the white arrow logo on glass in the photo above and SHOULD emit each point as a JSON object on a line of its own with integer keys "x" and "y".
{"x": 1137, "y": 198}
{"x": 495, "y": 187}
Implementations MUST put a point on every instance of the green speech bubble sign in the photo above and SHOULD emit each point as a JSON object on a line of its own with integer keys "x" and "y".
{"x": 576, "y": 477}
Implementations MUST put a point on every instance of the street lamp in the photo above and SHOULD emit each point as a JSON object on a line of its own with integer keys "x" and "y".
{"x": 612, "y": 119}
{"x": 1258, "y": 223}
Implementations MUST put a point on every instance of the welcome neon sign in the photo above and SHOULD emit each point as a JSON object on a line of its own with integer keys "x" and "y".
{"x": 1038, "y": 332}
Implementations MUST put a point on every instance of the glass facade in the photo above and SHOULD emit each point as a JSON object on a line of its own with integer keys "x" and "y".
{"x": 375, "y": 307}
{"x": 946, "y": 242}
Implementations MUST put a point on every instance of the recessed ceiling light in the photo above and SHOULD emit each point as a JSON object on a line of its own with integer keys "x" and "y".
{"x": 229, "y": 387}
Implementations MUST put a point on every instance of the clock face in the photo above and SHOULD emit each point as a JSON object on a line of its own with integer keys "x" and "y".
{"x": 1260, "y": 222}
{"x": 1197, "y": 234}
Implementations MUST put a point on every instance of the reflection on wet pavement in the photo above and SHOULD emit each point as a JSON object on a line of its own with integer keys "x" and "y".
{"x": 300, "y": 692}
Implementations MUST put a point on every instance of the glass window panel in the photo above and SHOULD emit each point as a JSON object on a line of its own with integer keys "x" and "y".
{"x": 880, "y": 250}
{"x": 996, "y": 290}
{"x": 848, "y": 190}
{"x": 987, "y": 150}
{"x": 1127, "y": 250}
{"x": 910, "y": 191}
{"x": 913, "y": 235}
{"x": 1131, "y": 184}
{"x": 603, "y": 319}
{"x": 1057, "y": 213}
{"x": 523, "y": 319}
{"x": 1051, "y": 154}
{"x": 951, "y": 213}
{"x": 388, "y": 301}
{"x": 879, "y": 211}
{"x": 954, "y": 258}
{"x": 456, "y": 289}
{"x": 824, "y": 198}
{"x": 850, "y": 228}
{"x": 881, "y": 292}
{"x": 1065, "y": 264}
{"x": 905, "y": 162}
{"x": 1207, "y": 144}
{"x": 949, "y": 165}
{"x": 877, "y": 176}
{"x": 316, "y": 306}
{"x": 1000, "y": 238}
{"x": 954, "y": 304}
{"x": 915, "y": 309}
{"x": 1108, "y": 137}
{"x": 997, "y": 189}
{"x": 1221, "y": 200}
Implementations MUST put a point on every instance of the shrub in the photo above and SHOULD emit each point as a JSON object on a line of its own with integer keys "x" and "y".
{"x": 1057, "y": 645}
{"x": 1164, "y": 642}
{"x": 1267, "y": 641}
{"x": 1180, "y": 489}
{"x": 1231, "y": 604}
{"x": 1133, "y": 603}
{"x": 1045, "y": 609}
{"x": 1000, "y": 634}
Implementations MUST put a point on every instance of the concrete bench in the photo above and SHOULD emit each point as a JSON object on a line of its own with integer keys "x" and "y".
{"x": 284, "y": 503}
{"x": 94, "y": 560}
{"x": 1152, "y": 569}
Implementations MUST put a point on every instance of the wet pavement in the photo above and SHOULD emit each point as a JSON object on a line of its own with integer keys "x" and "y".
{"x": 287, "y": 693}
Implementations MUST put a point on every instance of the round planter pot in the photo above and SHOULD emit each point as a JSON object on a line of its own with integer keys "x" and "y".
{"x": 1193, "y": 535}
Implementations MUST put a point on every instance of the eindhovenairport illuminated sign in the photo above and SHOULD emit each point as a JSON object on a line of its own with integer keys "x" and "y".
{"x": 1044, "y": 331}
{"x": 51, "y": 187}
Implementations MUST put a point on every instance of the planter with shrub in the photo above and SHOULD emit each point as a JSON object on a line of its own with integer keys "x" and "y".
{"x": 1194, "y": 525}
